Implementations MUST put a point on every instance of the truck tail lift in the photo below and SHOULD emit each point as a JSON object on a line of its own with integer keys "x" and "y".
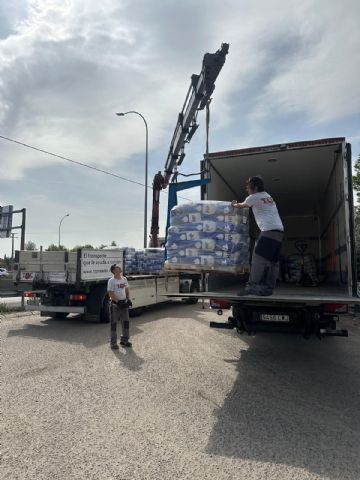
{"x": 197, "y": 98}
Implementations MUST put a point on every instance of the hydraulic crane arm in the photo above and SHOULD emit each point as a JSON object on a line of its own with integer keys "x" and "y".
{"x": 197, "y": 98}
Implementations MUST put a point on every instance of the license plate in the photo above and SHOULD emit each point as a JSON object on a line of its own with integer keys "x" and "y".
{"x": 266, "y": 317}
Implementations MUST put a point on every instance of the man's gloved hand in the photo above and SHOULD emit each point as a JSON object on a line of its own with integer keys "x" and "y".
{"x": 129, "y": 302}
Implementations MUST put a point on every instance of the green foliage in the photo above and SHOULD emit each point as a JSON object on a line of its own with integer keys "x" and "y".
{"x": 56, "y": 248}
{"x": 30, "y": 245}
{"x": 356, "y": 185}
{"x": 4, "y": 308}
{"x": 356, "y": 178}
{"x": 77, "y": 247}
{"x": 5, "y": 262}
{"x": 113, "y": 244}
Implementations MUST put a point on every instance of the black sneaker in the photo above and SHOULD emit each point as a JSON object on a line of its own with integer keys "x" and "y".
{"x": 114, "y": 347}
{"x": 126, "y": 344}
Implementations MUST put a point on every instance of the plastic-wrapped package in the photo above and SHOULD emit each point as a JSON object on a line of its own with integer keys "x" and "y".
{"x": 294, "y": 268}
{"x": 154, "y": 260}
{"x": 208, "y": 236}
{"x": 148, "y": 260}
{"x": 130, "y": 262}
{"x": 140, "y": 261}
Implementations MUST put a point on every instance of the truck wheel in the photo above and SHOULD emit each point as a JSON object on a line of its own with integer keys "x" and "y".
{"x": 194, "y": 289}
{"x": 105, "y": 310}
{"x": 95, "y": 303}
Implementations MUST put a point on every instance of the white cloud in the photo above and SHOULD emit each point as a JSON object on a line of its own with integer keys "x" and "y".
{"x": 66, "y": 67}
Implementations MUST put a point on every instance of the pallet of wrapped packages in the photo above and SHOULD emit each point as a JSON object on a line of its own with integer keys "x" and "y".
{"x": 130, "y": 263}
{"x": 154, "y": 260}
{"x": 208, "y": 236}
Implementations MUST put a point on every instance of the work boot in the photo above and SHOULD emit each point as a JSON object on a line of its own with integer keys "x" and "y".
{"x": 126, "y": 344}
{"x": 115, "y": 346}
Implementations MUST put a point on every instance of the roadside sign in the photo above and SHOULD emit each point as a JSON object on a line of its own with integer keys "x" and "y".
{"x": 6, "y": 221}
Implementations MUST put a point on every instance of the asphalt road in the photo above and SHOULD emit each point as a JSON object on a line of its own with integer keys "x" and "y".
{"x": 186, "y": 402}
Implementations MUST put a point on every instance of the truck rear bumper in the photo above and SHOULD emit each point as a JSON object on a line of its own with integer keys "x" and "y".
{"x": 48, "y": 308}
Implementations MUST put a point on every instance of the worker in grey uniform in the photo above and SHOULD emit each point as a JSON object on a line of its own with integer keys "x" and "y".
{"x": 119, "y": 293}
{"x": 266, "y": 254}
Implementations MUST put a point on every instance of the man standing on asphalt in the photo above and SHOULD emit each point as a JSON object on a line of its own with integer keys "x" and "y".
{"x": 119, "y": 293}
{"x": 266, "y": 254}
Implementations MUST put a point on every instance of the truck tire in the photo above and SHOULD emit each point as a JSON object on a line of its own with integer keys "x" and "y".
{"x": 105, "y": 310}
{"x": 95, "y": 304}
{"x": 136, "y": 312}
{"x": 194, "y": 289}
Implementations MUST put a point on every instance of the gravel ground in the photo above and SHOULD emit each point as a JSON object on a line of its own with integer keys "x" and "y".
{"x": 187, "y": 402}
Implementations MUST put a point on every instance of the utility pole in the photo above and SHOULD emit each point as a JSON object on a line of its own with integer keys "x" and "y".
{"x": 12, "y": 250}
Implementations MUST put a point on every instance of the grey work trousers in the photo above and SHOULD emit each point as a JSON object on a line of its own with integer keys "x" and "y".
{"x": 119, "y": 314}
{"x": 265, "y": 263}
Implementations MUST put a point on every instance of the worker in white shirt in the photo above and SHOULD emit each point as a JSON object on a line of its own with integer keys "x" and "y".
{"x": 266, "y": 254}
{"x": 119, "y": 293}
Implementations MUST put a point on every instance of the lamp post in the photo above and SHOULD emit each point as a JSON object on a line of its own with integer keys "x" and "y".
{"x": 61, "y": 223}
{"x": 122, "y": 114}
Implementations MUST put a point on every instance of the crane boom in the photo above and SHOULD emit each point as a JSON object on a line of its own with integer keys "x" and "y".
{"x": 197, "y": 98}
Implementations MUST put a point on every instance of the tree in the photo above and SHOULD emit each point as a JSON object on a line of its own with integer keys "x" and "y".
{"x": 56, "y": 248}
{"x": 356, "y": 185}
{"x": 77, "y": 247}
{"x": 113, "y": 244}
{"x": 102, "y": 246}
{"x": 30, "y": 245}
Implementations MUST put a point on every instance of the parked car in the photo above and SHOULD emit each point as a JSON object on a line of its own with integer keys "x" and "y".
{"x": 4, "y": 272}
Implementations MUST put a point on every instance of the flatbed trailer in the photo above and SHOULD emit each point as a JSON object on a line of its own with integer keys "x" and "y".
{"x": 60, "y": 283}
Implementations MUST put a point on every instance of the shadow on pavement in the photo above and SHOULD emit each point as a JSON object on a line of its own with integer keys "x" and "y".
{"x": 129, "y": 359}
{"x": 294, "y": 402}
{"x": 76, "y": 330}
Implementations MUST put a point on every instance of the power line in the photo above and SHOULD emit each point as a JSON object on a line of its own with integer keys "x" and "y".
{"x": 72, "y": 161}
{"x": 79, "y": 163}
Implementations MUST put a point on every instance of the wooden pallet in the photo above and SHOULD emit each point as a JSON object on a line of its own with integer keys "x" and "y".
{"x": 206, "y": 269}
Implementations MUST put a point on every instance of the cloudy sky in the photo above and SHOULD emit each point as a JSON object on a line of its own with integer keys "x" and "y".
{"x": 292, "y": 73}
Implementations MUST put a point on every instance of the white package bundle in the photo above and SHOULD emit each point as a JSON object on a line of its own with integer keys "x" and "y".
{"x": 208, "y": 236}
{"x": 154, "y": 260}
{"x": 130, "y": 262}
{"x": 294, "y": 263}
{"x": 150, "y": 260}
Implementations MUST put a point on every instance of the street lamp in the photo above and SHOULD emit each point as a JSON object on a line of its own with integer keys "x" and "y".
{"x": 61, "y": 223}
{"x": 122, "y": 114}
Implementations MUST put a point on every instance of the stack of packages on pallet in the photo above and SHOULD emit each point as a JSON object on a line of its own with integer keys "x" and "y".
{"x": 130, "y": 262}
{"x": 294, "y": 263}
{"x": 208, "y": 236}
{"x": 154, "y": 260}
{"x": 140, "y": 260}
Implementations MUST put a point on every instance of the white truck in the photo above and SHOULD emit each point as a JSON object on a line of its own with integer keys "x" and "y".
{"x": 311, "y": 182}
{"x": 76, "y": 282}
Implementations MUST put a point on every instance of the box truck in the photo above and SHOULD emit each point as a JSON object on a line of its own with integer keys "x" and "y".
{"x": 311, "y": 183}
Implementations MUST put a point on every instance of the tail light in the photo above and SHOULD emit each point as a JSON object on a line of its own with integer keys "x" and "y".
{"x": 335, "y": 308}
{"x": 29, "y": 294}
{"x": 77, "y": 297}
{"x": 219, "y": 304}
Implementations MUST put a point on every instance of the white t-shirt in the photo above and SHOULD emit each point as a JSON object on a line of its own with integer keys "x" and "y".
{"x": 265, "y": 211}
{"x": 118, "y": 287}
